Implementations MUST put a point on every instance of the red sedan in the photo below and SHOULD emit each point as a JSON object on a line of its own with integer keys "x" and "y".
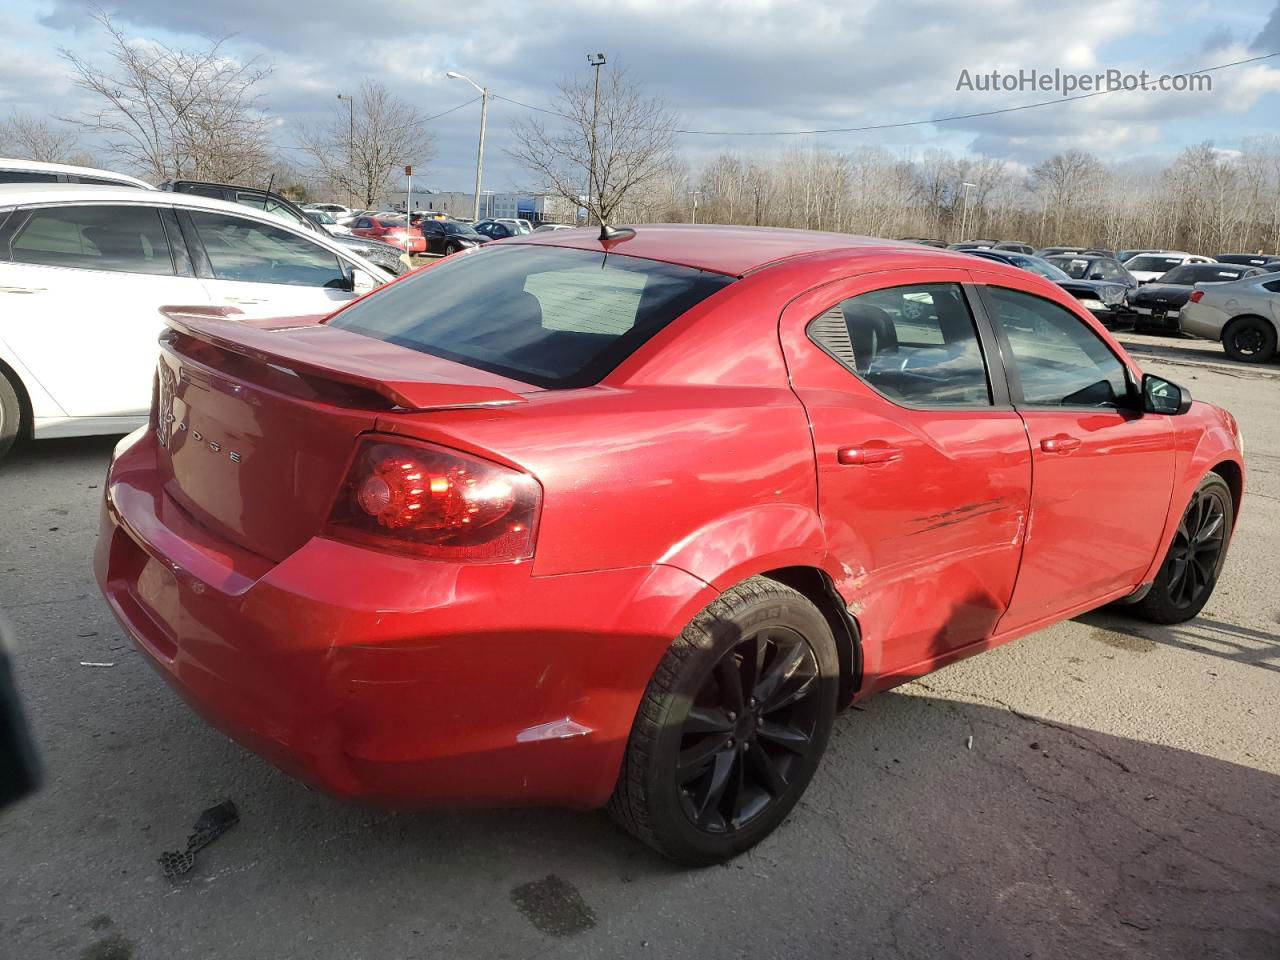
{"x": 393, "y": 230}
{"x": 583, "y": 521}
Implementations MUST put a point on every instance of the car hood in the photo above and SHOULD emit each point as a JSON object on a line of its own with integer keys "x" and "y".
{"x": 1089, "y": 288}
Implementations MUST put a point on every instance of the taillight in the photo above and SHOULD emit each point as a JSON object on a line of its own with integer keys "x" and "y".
{"x": 1196, "y": 295}
{"x": 435, "y": 502}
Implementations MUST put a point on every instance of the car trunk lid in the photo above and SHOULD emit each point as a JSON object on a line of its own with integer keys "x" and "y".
{"x": 257, "y": 421}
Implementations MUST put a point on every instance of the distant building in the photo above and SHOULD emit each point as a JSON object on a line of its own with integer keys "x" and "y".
{"x": 536, "y": 208}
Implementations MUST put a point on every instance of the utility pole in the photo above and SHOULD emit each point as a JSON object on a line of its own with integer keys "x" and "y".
{"x": 695, "y": 194}
{"x": 964, "y": 217}
{"x": 596, "y": 60}
{"x": 484, "y": 116}
{"x": 351, "y": 137}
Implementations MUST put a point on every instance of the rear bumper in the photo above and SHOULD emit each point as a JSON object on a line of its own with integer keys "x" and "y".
{"x": 1202, "y": 321}
{"x": 373, "y": 675}
{"x": 1156, "y": 318}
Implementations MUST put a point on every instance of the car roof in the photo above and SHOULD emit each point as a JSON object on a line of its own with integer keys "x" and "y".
{"x": 38, "y": 166}
{"x": 733, "y": 251}
{"x": 25, "y": 193}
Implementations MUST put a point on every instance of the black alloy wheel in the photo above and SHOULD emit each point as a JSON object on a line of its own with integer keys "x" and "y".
{"x": 732, "y": 725}
{"x": 749, "y": 731}
{"x": 1199, "y": 549}
{"x": 1249, "y": 340}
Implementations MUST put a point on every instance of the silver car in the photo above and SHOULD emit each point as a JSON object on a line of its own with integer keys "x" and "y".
{"x": 1244, "y": 315}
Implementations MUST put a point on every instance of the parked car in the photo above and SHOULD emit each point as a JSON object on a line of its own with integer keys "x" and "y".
{"x": 1105, "y": 299}
{"x": 1124, "y": 256}
{"x": 925, "y": 241}
{"x": 498, "y": 547}
{"x": 14, "y": 170}
{"x": 1156, "y": 304}
{"x": 964, "y": 245}
{"x": 391, "y": 229}
{"x": 1048, "y": 252}
{"x": 495, "y": 229}
{"x": 1150, "y": 266}
{"x": 1015, "y": 246}
{"x": 1250, "y": 259}
{"x": 327, "y": 223}
{"x": 1244, "y": 316}
{"x": 335, "y": 210}
{"x": 391, "y": 259}
{"x": 85, "y": 270}
{"x": 448, "y": 236}
{"x": 549, "y": 227}
{"x": 1088, "y": 266}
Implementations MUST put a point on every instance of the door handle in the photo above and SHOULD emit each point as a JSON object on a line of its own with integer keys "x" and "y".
{"x": 23, "y": 289}
{"x": 872, "y": 452}
{"x": 1060, "y": 443}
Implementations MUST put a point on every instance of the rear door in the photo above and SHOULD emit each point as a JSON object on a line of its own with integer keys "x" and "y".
{"x": 81, "y": 288}
{"x": 1103, "y": 470}
{"x": 924, "y": 473}
{"x": 265, "y": 270}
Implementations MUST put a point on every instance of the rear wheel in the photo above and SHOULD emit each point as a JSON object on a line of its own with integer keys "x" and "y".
{"x": 1249, "y": 340}
{"x": 10, "y": 415}
{"x": 732, "y": 725}
{"x": 1195, "y": 558}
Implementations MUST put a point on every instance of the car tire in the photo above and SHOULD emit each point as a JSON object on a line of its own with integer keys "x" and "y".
{"x": 10, "y": 415}
{"x": 690, "y": 786}
{"x": 1195, "y": 557}
{"x": 1249, "y": 340}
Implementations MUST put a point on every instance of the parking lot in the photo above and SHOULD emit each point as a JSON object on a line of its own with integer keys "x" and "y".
{"x": 1104, "y": 788}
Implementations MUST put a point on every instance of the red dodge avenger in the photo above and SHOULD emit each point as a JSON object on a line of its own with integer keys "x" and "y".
{"x": 624, "y": 518}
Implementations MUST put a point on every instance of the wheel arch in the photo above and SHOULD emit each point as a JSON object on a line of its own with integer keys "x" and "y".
{"x": 818, "y": 587}
{"x": 1249, "y": 316}
{"x": 1230, "y": 471}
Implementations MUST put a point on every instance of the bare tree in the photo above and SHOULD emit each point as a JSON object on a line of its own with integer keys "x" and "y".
{"x": 360, "y": 153}
{"x": 35, "y": 138}
{"x": 172, "y": 112}
{"x": 633, "y": 137}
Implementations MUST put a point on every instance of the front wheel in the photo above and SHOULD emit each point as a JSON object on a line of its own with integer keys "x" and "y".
{"x": 10, "y": 415}
{"x": 732, "y": 725}
{"x": 1195, "y": 558}
{"x": 1249, "y": 340}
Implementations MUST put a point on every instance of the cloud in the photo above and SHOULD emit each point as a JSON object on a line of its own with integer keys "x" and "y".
{"x": 1268, "y": 38}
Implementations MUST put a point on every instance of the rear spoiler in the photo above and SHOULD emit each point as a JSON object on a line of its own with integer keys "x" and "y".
{"x": 304, "y": 345}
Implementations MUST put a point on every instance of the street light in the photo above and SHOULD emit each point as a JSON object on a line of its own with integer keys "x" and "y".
{"x": 351, "y": 137}
{"x": 695, "y": 194}
{"x": 484, "y": 115}
{"x": 596, "y": 60}
{"x": 964, "y": 217}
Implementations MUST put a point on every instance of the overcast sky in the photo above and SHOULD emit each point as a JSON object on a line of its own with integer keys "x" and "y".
{"x": 746, "y": 65}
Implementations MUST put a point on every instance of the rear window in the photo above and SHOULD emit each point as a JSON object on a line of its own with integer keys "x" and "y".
{"x": 1153, "y": 264}
{"x": 549, "y": 316}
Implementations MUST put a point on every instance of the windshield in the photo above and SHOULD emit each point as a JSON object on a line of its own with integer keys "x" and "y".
{"x": 319, "y": 216}
{"x": 1202, "y": 273}
{"x": 459, "y": 230}
{"x": 1154, "y": 264}
{"x": 1042, "y": 267}
{"x": 1077, "y": 268}
{"x": 549, "y": 316}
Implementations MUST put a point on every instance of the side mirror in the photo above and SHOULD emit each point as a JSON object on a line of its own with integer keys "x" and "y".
{"x": 1164, "y": 397}
{"x": 361, "y": 282}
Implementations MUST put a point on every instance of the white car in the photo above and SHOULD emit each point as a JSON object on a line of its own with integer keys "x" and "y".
{"x": 335, "y": 210}
{"x": 327, "y": 223}
{"x": 34, "y": 172}
{"x": 1146, "y": 267}
{"x": 85, "y": 270}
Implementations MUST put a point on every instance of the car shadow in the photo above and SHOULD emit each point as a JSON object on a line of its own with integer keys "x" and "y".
{"x": 63, "y": 452}
{"x": 1229, "y": 641}
{"x": 936, "y": 827}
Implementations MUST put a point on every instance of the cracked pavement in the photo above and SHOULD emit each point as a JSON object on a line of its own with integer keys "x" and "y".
{"x": 1119, "y": 798}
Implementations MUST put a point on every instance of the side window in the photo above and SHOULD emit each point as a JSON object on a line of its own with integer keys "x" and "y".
{"x": 261, "y": 201}
{"x": 124, "y": 239}
{"x": 913, "y": 344}
{"x": 254, "y": 252}
{"x": 1110, "y": 270}
{"x": 363, "y": 223}
{"x": 1058, "y": 359}
{"x": 27, "y": 176}
{"x": 1272, "y": 285}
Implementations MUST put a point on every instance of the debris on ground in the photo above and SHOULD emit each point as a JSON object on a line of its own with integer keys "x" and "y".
{"x": 91, "y": 663}
{"x": 969, "y": 743}
{"x": 211, "y": 824}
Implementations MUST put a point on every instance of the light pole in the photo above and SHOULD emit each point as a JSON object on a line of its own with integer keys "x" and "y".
{"x": 484, "y": 115}
{"x": 596, "y": 60}
{"x": 964, "y": 217}
{"x": 351, "y": 138}
{"x": 695, "y": 194}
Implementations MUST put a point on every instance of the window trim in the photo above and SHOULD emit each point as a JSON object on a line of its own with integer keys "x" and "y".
{"x": 988, "y": 349}
{"x": 1018, "y": 399}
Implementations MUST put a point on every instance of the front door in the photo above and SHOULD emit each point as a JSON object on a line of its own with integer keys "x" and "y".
{"x": 1103, "y": 469}
{"x": 924, "y": 472}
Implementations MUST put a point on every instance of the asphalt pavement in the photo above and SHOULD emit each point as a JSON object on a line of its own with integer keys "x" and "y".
{"x": 1104, "y": 788}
